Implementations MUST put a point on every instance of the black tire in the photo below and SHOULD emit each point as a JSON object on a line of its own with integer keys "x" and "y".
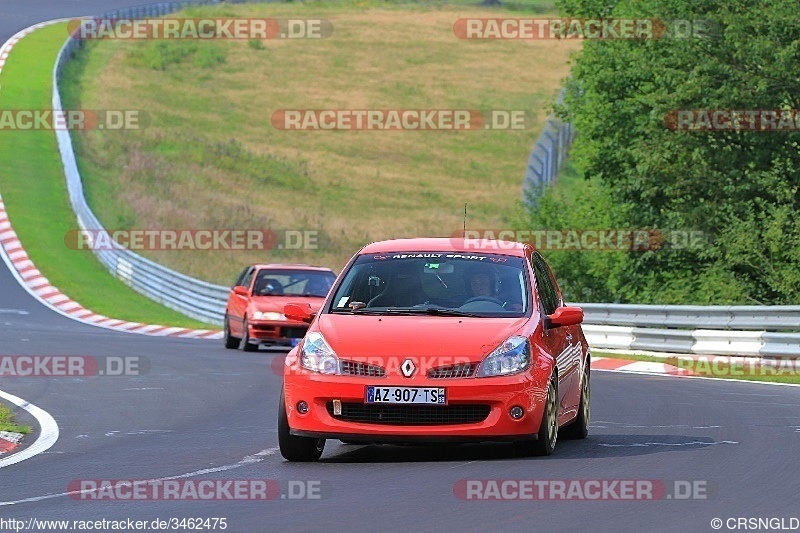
{"x": 229, "y": 340}
{"x": 247, "y": 346}
{"x": 579, "y": 428}
{"x": 293, "y": 448}
{"x": 547, "y": 436}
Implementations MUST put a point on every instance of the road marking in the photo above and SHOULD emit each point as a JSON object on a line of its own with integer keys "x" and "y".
{"x": 47, "y": 436}
{"x": 690, "y": 443}
{"x": 679, "y": 426}
{"x": 13, "y": 312}
{"x": 249, "y": 460}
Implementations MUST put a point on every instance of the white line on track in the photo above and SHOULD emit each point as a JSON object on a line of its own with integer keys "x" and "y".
{"x": 249, "y": 460}
{"x": 47, "y": 436}
{"x": 645, "y": 444}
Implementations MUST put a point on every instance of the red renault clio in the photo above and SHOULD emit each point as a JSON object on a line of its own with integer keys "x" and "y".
{"x": 426, "y": 340}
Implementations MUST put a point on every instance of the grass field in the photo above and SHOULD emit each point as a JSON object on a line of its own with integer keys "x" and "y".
{"x": 34, "y": 192}
{"x": 210, "y": 157}
{"x": 7, "y": 422}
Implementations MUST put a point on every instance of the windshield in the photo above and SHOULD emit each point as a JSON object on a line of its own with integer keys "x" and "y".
{"x": 293, "y": 283}
{"x": 434, "y": 283}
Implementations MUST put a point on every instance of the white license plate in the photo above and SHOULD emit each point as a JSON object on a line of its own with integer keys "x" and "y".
{"x": 423, "y": 395}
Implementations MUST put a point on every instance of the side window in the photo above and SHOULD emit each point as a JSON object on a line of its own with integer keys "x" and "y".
{"x": 544, "y": 286}
{"x": 553, "y": 283}
{"x": 248, "y": 279}
{"x": 241, "y": 276}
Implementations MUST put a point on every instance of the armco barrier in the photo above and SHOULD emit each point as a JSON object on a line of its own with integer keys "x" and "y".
{"x": 693, "y": 341}
{"x": 192, "y": 297}
{"x": 770, "y": 317}
{"x": 713, "y": 330}
{"x": 548, "y": 154}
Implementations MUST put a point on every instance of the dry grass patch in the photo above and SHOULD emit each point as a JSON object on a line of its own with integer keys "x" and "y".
{"x": 211, "y": 158}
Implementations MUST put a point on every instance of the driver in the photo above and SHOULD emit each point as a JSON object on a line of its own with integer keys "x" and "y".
{"x": 318, "y": 286}
{"x": 480, "y": 283}
{"x": 483, "y": 283}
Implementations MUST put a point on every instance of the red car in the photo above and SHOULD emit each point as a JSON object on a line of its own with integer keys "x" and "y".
{"x": 254, "y": 314}
{"x": 425, "y": 340}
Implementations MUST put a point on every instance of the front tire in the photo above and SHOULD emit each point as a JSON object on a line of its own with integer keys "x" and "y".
{"x": 579, "y": 429}
{"x": 229, "y": 340}
{"x": 548, "y": 430}
{"x": 247, "y": 346}
{"x": 293, "y": 448}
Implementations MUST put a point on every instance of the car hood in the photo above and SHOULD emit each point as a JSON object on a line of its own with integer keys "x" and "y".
{"x": 277, "y": 303}
{"x": 354, "y": 336}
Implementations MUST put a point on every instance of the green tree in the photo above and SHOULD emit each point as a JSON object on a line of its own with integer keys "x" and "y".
{"x": 738, "y": 187}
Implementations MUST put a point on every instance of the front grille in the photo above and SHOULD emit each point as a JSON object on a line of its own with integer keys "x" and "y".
{"x": 293, "y": 332}
{"x": 463, "y": 370}
{"x": 411, "y": 415}
{"x": 355, "y": 368}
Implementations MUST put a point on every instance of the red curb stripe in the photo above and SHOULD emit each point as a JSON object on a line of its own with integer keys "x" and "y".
{"x": 6, "y": 446}
{"x": 30, "y": 275}
{"x": 610, "y": 364}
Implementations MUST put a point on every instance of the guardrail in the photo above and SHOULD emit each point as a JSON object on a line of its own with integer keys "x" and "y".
{"x": 668, "y": 328}
{"x": 726, "y": 317}
{"x": 697, "y": 342}
{"x": 187, "y": 295}
{"x": 548, "y": 154}
{"x": 722, "y": 329}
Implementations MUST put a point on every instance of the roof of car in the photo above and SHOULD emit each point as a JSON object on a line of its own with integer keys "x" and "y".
{"x": 457, "y": 245}
{"x": 289, "y": 266}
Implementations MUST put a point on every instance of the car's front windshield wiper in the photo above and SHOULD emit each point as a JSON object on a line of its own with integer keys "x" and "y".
{"x": 436, "y": 311}
{"x": 443, "y": 311}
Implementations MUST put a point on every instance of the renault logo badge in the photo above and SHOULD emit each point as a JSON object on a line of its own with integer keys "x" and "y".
{"x": 408, "y": 368}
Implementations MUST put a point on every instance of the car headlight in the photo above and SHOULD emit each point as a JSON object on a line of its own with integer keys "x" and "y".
{"x": 316, "y": 355}
{"x": 513, "y": 356}
{"x": 269, "y": 315}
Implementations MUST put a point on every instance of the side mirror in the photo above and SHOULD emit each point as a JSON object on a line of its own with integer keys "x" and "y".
{"x": 564, "y": 316}
{"x": 299, "y": 312}
{"x": 241, "y": 290}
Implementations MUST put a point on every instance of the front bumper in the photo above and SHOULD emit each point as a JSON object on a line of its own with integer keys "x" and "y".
{"x": 527, "y": 390}
{"x": 275, "y": 332}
